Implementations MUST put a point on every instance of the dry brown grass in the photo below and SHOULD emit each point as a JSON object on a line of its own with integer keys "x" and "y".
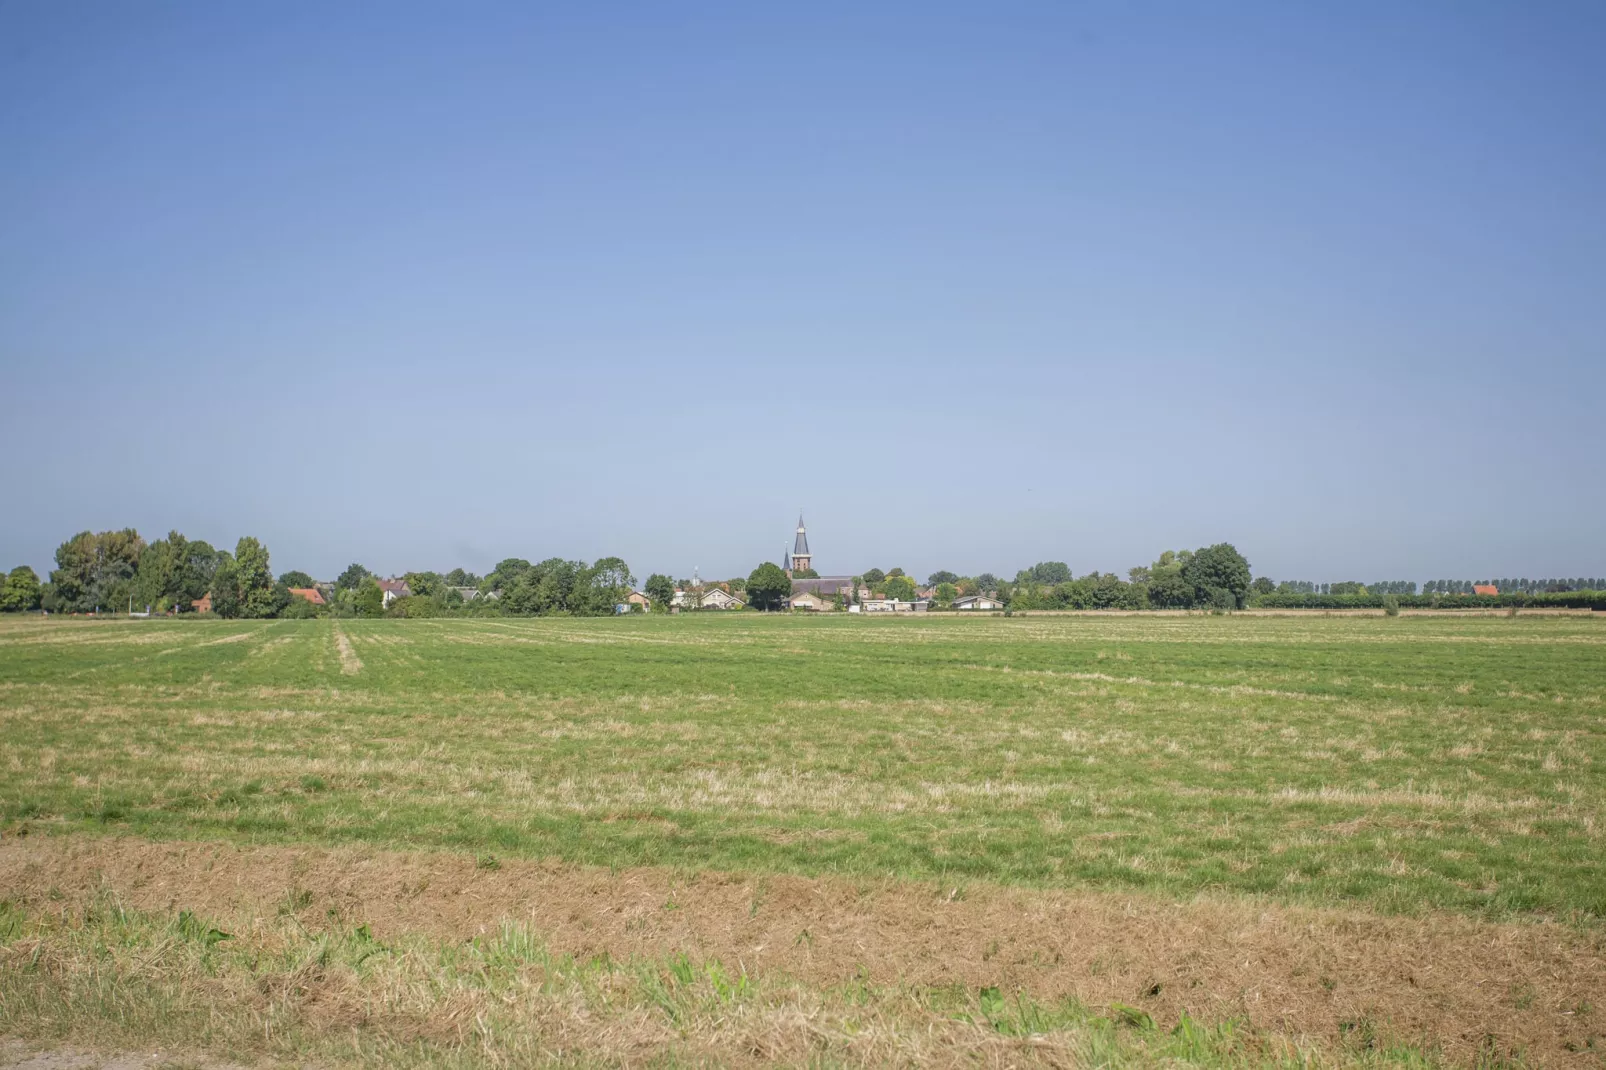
{"x": 350, "y": 663}
{"x": 1439, "y": 980}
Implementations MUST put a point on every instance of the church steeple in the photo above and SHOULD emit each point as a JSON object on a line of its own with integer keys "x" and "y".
{"x": 800, "y": 548}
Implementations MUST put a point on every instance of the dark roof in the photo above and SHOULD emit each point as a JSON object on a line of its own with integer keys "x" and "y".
{"x": 801, "y": 546}
{"x": 822, "y": 584}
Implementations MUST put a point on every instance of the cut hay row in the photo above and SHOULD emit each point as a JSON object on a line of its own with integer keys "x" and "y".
{"x": 1436, "y": 982}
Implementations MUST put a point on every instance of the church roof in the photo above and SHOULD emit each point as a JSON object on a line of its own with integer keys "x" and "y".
{"x": 801, "y": 546}
{"x": 822, "y": 584}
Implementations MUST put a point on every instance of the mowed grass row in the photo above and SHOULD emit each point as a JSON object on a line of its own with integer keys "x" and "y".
{"x": 273, "y": 988}
{"x": 1399, "y": 764}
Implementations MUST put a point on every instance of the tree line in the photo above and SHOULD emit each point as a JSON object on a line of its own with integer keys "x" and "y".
{"x": 1213, "y": 576}
{"x": 119, "y": 571}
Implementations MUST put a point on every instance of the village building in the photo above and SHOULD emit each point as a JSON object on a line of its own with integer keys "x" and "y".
{"x": 893, "y": 605}
{"x": 811, "y": 601}
{"x": 202, "y": 604}
{"x": 978, "y": 601}
{"x": 637, "y": 598}
{"x": 801, "y": 560}
{"x": 311, "y": 594}
{"x": 719, "y": 598}
{"x": 394, "y": 589}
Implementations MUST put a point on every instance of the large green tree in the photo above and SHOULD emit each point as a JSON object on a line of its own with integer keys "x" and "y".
{"x": 1167, "y": 587}
{"x": 352, "y": 578}
{"x": 941, "y": 576}
{"x": 661, "y": 589}
{"x": 175, "y": 571}
{"x": 296, "y": 578}
{"x": 96, "y": 570}
{"x": 1218, "y": 568}
{"x": 20, "y": 592}
{"x": 195, "y": 571}
{"x": 254, "y": 574}
{"x": 507, "y": 573}
{"x": 225, "y": 592}
{"x": 424, "y": 584}
{"x": 611, "y": 578}
{"x": 873, "y": 577}
{"x": 768, "y": 586}
{"x": 159, "y": 566}
{"x": 368, "y": 599}
{"x": 1046, "y": 573}
{"x": 899, "y": 587}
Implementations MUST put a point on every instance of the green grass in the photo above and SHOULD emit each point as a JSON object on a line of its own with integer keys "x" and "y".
{"x": 1398, "y": 764}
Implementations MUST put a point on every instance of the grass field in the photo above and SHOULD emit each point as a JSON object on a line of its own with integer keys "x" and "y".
{"x": 1446, "y": 775}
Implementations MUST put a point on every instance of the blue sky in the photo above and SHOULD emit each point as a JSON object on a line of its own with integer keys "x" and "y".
{"x": 972, "y": 285}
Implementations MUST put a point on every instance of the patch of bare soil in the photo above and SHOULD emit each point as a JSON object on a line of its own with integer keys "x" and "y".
{"x": 1449, "y": 981}
{"x": 15, "y": 1055}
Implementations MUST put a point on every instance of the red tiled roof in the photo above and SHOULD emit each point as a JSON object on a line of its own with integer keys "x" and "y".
{"x": 1485, "y": 588}
{"x": 311, "y": 594}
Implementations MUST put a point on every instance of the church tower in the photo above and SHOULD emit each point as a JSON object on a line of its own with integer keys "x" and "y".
{"x": 801, "y": 558}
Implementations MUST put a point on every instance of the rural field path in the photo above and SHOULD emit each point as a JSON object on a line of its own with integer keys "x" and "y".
{"x": 1463, "y": 985}
{"x": 350, "y": 663}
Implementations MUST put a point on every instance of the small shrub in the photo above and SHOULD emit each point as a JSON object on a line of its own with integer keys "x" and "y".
{"x": 1391, "y": 606}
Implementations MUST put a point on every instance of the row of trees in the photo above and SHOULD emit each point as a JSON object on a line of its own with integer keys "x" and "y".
{"x": 1514, "y": 586}
{"x": 113, "y": 570}
{"x": 515, "y": 587}
{"x": 1442, "y": 587}
{"x": 117, "y": 570}
{"x": 559, "y": 587}
{"x": 1215, "y": 576}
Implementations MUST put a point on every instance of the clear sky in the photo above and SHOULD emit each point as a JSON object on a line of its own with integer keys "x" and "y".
{"x": 972, "y": 285}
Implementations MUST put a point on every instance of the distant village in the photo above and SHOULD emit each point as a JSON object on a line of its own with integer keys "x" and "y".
{"x": 871, "y": 592}
{"x": 118, "y": 571}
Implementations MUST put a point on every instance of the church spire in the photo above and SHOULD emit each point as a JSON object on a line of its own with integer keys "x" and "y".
{"x": 802, "y": 560}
